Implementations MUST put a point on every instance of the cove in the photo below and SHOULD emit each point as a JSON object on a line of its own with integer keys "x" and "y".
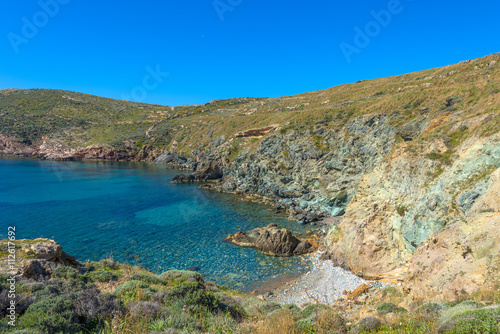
{"x": 135, "y": 213}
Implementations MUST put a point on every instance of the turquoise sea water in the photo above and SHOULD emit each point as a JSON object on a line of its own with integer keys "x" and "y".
{"x": 134, "y": 211}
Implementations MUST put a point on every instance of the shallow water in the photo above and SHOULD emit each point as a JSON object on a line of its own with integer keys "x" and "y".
{"x": 134, "y": 211}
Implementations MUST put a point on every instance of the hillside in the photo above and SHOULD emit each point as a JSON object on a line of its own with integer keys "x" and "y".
{"x": 410, "y": 162}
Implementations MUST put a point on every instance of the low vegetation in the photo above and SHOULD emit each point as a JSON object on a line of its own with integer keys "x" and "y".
{"x": 107, "y": 297}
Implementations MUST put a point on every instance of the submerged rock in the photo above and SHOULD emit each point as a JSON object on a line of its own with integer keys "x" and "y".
{"x": 272, "y": 241}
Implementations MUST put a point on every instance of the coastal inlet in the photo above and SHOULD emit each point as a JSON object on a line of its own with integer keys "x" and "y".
{"x": 133, "y": 210}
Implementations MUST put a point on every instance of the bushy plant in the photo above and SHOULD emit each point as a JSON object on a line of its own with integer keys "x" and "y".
{"x": 159, "y": 296}
{"x": 180, "y": 276}
{"x": 474, "y": 320}
{"x": 146, "y": 310}
{"x": 432, "y": 308}
{"x": 102, "y": 276}
{"x": 134, "y": 290}
{"x": 22, "y": 303}
{"x": 148, "y": 278}
{"x": 53, "y": 314}
{"x": 192, "y": 294}
{"x": 94, "y": 307}
{"x": 67, "y": 273}
{"x": 256, "y": 307}
{"x": 386, "y": 308}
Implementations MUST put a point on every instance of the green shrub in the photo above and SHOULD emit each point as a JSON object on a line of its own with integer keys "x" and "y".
{"x": 313, "y": 309}
{"x": 53, "y": 314}
{"x": 386, "y": 308}
{"x": 67, "y": 273}
{"x": 102, "y": 276}
{"x": 133, "y": 290}
{"x": 192, "y": 294}
{"x": 174, "y": 277}
{"x": 104, "y": 265}
{"x": 432, "y": 308}
{"x": 50, "y": 323}
{"x": 231, "y": 306}
{"x": 148, "y": 278}
{"x": 255, "y": 306}
{"x": 473, "y": 320}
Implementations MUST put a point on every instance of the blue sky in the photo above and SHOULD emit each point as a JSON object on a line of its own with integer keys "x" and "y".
{"x": 232, "y": 48}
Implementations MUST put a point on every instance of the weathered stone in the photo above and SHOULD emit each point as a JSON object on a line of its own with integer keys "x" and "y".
{"x": 36, "y": 269}
{"x": 452, "y": 101}
{"x": 272, "y": 241}
{"x": 207, "y": 171}
{"x": 48, "y": 250}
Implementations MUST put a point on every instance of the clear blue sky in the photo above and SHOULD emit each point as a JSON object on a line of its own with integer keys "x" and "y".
{"x": 260, "y": 48}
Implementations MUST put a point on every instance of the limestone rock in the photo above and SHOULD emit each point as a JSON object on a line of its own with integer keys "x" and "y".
{"x": 48, "y": 250}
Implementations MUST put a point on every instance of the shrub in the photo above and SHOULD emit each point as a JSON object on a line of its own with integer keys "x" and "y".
{"x": 106, "y": 264}
{"x": 401, "y": 210}
{"x": 386, "y": 308}
{"x": 94, "y": 307}
{"x": 180, "y": 276}
{"x": 148, "y": 278}
{"x": 432, "y": 308}
{"x": 22, "y": 303}
{"x": 328, "y": 321}
{"x": 483, "y": 320}
{"x": 146, "y": 310}
{"x": 51, "y": 315}
{"x": 231, "y": 306}
{"x": 279, "y": 322}
{"x": 192, "y": 294}
{"x": 159, "y": 296}
{"x": 255, "y": 306}
{"x": 50, "y": 323}
{"x": 67, "y": 273}
{"x": 313, "y": 309}
{"x": 367, "y": 324}
{"x": 134, "y": 290}
{"x": 102, "y": 276}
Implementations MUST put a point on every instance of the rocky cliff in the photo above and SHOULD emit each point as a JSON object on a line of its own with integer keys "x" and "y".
{"x": 410, "y": 162}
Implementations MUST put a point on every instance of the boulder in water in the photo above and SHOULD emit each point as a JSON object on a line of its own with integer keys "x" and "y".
{"x": 272, "y": 241}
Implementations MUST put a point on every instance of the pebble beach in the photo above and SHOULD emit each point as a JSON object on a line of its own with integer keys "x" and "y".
{"x": 323, "y": 283}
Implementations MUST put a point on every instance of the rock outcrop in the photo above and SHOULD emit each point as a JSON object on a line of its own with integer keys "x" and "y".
{"x": 272, "y": 241}
{"x": 256, "y": 133}
{"x": 43, "y": 256}
{"x": 207, "y": 170}
{"x": 11, "y": 146}
{"x": 413, "y": 209}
